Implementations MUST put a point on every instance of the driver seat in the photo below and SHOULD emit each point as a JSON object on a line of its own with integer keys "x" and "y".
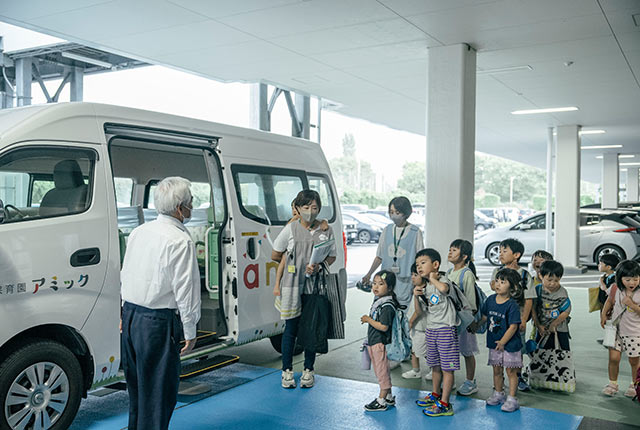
{"x": 70, "y": 192}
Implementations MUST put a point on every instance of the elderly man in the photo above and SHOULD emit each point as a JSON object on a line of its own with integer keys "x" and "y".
{"x": 160, "y": 289}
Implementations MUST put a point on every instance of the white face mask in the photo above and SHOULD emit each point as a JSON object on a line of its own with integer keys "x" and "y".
{"x": 397, "y": 219}
{"x": 309, "y": 216}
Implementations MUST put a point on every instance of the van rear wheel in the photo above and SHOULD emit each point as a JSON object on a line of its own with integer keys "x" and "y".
{"x": 276, "y": 342}
{"x": 40, "y": 387}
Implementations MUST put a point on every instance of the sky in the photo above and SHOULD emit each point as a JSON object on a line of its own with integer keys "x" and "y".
{"x": 167, "y": 90}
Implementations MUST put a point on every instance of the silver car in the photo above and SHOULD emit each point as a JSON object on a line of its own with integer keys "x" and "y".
{"x": 601, "y": 232}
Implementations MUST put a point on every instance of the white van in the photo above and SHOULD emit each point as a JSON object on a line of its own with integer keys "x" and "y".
{"x": 75, "y": 179}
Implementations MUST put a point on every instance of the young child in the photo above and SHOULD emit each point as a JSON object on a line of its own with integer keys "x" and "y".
{"x": 552, "y": 308}
{"x": 511, "y": 250}
{"x": 539, "y": 257}
{"x": 417, "y": 324}
{"x": 626, "y": 314}
{"x": 503, "y": 341}
{"x": 380, "y": 320}
{"x": 460, "y": 252}
{"x": 443, "y": 350}
{"x": 607, "y": 265}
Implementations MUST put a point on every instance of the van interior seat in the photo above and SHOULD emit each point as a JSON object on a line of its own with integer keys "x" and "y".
{"x": 69, "y": 193}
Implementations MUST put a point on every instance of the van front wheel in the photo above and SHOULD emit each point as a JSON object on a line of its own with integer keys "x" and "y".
{"x": 40, "y": 387}
{"x": 276, "y": 342}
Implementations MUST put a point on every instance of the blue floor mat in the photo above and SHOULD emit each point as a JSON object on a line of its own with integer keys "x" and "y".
{"x": 250, "y": 397}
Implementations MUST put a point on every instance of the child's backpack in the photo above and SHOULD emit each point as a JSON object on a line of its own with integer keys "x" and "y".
{"x": 481, "y": 297}
{"x": 462, "y": 306}
{"x": 400, "y": 347}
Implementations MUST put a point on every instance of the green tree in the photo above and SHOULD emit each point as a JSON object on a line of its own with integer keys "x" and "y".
{"x": 414, "y": 177}
{"x": 348, "y": 171}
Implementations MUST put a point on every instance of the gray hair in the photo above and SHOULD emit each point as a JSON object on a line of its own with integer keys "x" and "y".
{"x": 170, "y": 193}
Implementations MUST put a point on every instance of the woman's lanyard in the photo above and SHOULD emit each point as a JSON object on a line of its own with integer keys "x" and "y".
{"x": 396, "y": 244}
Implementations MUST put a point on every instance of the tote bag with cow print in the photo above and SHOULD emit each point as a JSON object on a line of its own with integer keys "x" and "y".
{"x": 552, "y": 369}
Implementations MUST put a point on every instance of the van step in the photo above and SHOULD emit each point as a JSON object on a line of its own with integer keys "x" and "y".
{"x": 202, "y": 366}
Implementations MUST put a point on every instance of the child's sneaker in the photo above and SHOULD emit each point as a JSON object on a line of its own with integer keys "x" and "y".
{"x": 375, "y": 406}
{"x": 496, "y": 398}
{"x": 287, "y": 379}
{"x": 610, "y": 390}
{"x": 631, "y": 391}
{"x": 511, "y": 405}
{"x": 438, "y": 410}
{"x": 411, "y": 374}
{"x": 428, "y": 401}
{"x": 522, "y": 384}
{"x": 468, "y": 388}
{"x": 307, "y": 379}
{"x": 390, "y": 400}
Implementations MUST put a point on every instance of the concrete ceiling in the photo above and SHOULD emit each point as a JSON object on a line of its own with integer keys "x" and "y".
{"x": 369, "y": 55}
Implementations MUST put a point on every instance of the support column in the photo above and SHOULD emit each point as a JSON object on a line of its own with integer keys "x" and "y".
{"x": 450, "y": 131}
{"x": 632, "y": 184}
{"x": 610, "y": 181}
{"x": 77, "y": 86}
{"x": 567, "y": 216}
{"x": 23, "y": 81}
{"x": 549, "y": 212}
{"x": 303, "y": 116}
{"x": 259, "y": 114}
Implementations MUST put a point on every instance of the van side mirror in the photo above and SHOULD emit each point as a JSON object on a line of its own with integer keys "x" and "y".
{"x": 2, "y": 213}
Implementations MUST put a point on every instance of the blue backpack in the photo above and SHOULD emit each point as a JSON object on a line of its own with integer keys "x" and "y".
{"x": 400, "y": 347}
{"x": 481, "y": 297}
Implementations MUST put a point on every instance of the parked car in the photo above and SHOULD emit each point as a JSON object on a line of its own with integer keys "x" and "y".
{"x": 350, "y": 229}
{"x": 482, "y": 222}
{"x": 369, "y": 230}
{"x": 382, "y": 212}
{"x": 601, "y": 232}
{"x": 354, "y": 208}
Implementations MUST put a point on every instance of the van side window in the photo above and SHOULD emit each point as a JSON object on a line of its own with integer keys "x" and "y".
{"x": 42, "y": 182}
{"x": 265, "y": 195}
{"x": 321, "y": 185}
{"x": 124, "y": 191}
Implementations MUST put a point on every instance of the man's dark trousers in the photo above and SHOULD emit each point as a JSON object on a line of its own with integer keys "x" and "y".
{"x": 151, "y": 361}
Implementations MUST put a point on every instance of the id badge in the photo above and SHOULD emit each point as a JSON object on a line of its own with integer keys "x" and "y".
{"x": 291, "y": 268}
{"x": 434, "y": 299}
{"x": 395, "y": 269}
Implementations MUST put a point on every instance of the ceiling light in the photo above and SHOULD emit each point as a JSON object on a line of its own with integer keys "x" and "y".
{"x": 96, "y": 62}
{"x": 623, "y": 170}
{"x": 601, "y": 146}
{"x": 599, "y": 157}
{"x": 546, "y": 110}
{"x": 582, "y": 132}
{"x": 503, "y": 70}
{"x": 630, "y": 164}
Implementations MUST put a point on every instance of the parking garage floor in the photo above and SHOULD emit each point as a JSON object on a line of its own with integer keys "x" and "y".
{"x": 249, "y": 394}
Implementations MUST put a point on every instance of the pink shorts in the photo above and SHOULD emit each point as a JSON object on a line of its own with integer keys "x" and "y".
{"x": 378, "y": 354}
{"x": 505, "y": 358}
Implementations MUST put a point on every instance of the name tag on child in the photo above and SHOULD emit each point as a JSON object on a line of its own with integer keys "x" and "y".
{"x": 434, "y": 299}
{"x": 291, "y": 268}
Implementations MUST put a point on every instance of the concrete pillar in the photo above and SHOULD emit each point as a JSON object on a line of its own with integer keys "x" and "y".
{"x": 303, "y": 115}
{"x": 76, "y": 84}
{"x": 450, "y": 131}
{"x": 259, "y": 108}
{"x": 567, "y": 217}
{"x": 632, "y": 184}
{"x": 23, "y": 81}
{"x": 610, "y": 181}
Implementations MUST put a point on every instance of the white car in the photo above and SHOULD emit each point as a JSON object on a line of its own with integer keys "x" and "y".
{"x": 601, "y": 232}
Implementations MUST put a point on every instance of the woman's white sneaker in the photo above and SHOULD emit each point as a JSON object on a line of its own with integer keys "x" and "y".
{"x": 307, "y": 379}
{"x": 287, "y": 379}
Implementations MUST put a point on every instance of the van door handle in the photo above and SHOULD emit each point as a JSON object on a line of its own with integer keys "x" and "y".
{"x": 85, "y": 257}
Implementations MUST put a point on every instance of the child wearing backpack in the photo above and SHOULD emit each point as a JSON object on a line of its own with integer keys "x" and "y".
{"x": 463, "y": 274}
{"x": 552, "y": 307}
{"x": 511, "y": 250}
{"x": 417, "y": 326}
{"x": 443, "y": 350}
{"x": 625, "y": 301}
{"x": 380, "y": 319}
{"x": 503, "y": 315}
